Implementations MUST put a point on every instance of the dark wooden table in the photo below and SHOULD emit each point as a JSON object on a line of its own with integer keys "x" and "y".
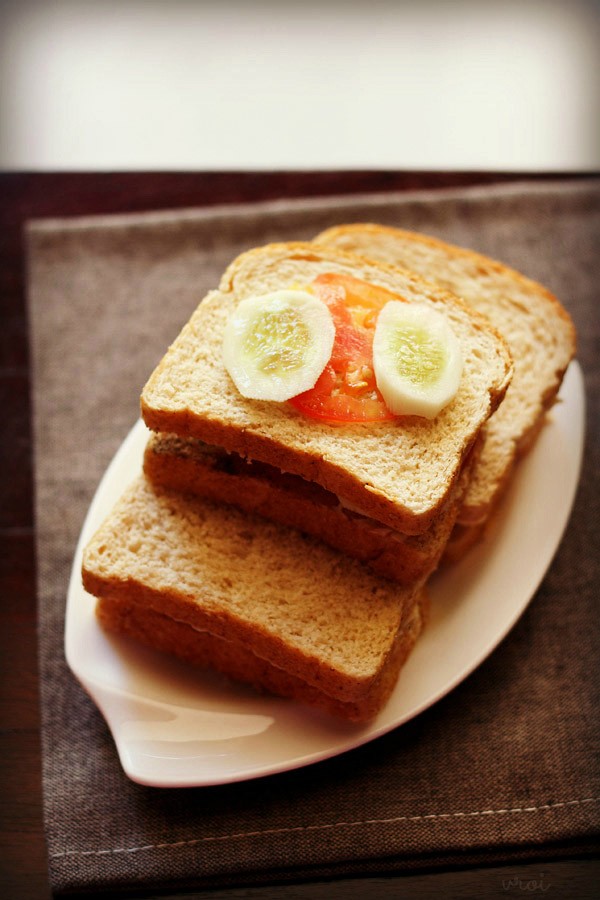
{"x": 23, "y": 870}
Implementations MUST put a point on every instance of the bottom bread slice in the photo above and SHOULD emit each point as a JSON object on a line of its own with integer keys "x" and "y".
{"x": 236, "y": 661}
{"x": 191, "y": 466}
{"x": 298, "y": 606}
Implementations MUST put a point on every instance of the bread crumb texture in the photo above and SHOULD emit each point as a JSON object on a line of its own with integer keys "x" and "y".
{"x": 399, "y": 472}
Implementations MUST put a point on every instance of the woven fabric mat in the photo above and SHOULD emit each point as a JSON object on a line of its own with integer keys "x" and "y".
{"x": 503, "y": 767}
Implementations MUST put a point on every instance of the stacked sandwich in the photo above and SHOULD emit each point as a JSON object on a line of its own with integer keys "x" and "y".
{"x": 325, "y": 426}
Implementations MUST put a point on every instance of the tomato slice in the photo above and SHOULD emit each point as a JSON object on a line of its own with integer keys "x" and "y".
{"x": 346, "y": 390}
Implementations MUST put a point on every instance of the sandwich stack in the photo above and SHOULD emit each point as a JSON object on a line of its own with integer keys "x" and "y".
{"x": 277, "y": 542}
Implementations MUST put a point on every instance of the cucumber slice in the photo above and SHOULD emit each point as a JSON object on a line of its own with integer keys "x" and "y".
{"x": 276, "y": 345}
{"x": 417, "y": 359}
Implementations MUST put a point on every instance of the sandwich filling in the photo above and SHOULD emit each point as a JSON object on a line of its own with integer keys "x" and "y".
{"x": 343, "y": 350}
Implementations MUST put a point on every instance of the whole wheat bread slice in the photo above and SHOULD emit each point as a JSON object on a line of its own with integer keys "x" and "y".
{"x": 301, "y": 609}
{"x": 190, "y": 466}
{"x": 398, "y": 472}
{"x": 537, "y": 329}
{"x": 236, "y": 660}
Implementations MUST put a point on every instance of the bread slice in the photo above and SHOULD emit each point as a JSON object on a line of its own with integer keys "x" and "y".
{"x": 236, "y": 660}
{"x": 538, "y": 331}
{"x": 190, "y": 466}
{"x": 398, "y": 472}
{"x": 307, "y": 615}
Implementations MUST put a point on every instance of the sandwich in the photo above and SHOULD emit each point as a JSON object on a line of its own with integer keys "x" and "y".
{"x": 221, "y": 553}
{"x": 397, "y": 470}
{"x": 259, "y": 603}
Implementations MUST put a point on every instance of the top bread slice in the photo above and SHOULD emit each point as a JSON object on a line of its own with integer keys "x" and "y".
{"x": 537, "y": 329}
{"x": 399, "y": 472}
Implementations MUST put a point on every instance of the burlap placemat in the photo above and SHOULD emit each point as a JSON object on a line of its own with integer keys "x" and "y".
{"x": 504, "y": 767}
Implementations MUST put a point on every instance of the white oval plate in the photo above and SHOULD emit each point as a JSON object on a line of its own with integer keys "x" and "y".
{"x": 175, "y": 726}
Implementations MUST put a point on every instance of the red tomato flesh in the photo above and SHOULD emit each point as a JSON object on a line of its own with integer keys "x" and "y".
{"x": 346, "y": 390}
